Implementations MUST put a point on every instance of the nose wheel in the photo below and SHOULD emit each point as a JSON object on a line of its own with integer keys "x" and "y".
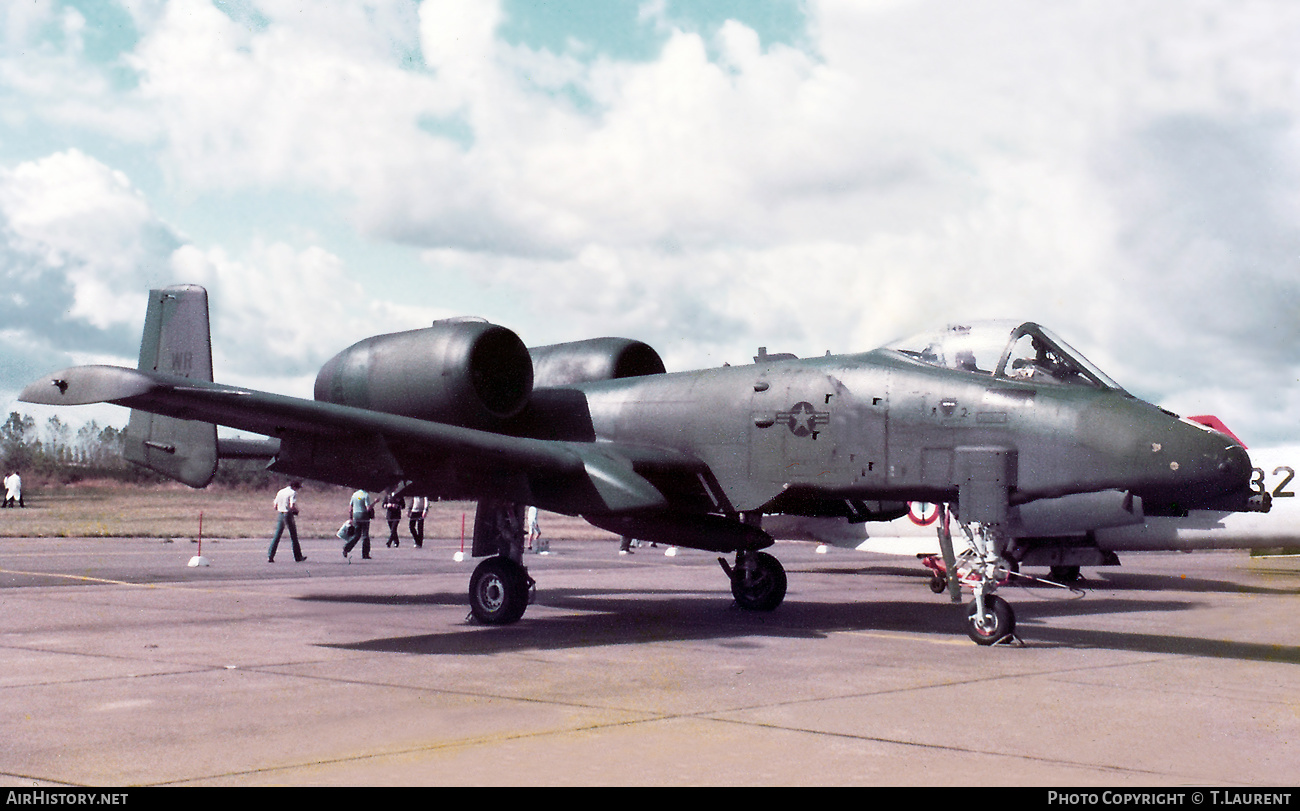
{"x": 992, "y": 622}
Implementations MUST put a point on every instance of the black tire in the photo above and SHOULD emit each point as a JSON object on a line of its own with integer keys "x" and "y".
{"x": 999, "y": 621}
{"x": 498, "y": 591}
{"x": 1065, "y": 574}
{"x": 938, "y": 584}
{"x": 762, "y": 587}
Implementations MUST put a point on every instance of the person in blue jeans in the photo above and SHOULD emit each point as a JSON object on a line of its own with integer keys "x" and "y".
{"x": 286, "y": 506}
{"x": 362, "y": 512}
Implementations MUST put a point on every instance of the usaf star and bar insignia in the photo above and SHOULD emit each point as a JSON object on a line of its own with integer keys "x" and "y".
{"x": 803, "y": 420}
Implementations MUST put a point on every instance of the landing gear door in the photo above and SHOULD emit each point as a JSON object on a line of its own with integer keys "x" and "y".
{"x": 985, "y": 477}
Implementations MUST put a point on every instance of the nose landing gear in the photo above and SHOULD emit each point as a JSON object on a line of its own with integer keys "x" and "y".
{"x": 992, "y": 622}
{"x": 989, "y": 618}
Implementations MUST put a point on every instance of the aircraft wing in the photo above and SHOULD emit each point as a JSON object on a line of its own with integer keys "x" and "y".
{"x": 574, "y": 477}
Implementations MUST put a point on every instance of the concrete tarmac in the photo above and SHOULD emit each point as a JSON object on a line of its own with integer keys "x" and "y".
{"x": 120, "y": 665}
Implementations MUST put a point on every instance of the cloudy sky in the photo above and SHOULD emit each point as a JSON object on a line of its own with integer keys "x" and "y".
{"x": 707, "y": 177}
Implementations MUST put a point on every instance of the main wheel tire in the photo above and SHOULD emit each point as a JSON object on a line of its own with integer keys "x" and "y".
{"x": 1065, "y": 574}
{"x": 998, "y": 622}
{"x": 498, "y": 591}
{"x": 758, "y": 583}
{"x": 938, "y": 584}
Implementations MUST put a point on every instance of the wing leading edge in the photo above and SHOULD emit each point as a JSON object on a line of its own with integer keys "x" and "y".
{"x": 359, "y": 447}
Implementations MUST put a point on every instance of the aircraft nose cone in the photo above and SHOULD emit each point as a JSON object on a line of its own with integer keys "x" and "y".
{"x": 1225, "y": 473}
{"x": 1235, "y": 464}
{"x": 1208, "y": 469}
{"x": 1233, "y": 468}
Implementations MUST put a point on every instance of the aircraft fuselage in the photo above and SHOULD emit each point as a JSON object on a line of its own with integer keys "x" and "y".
{"x": 878, "y": 426}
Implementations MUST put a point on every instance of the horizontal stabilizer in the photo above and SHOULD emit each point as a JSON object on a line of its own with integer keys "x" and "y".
{"x": 238, "y": 448}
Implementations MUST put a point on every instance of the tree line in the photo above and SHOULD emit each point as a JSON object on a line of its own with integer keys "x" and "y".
{"x": 58, "y": 451}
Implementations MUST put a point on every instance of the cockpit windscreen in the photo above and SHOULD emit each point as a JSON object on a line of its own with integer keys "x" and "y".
{"x": 1007, "y": 350}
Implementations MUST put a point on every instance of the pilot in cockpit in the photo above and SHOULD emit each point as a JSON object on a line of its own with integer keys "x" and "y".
{"x": 1041, "y": 364}
{"x": 966, "y": 360}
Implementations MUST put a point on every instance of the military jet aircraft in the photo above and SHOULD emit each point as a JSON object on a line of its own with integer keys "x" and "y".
{"x": 984, "y": 417}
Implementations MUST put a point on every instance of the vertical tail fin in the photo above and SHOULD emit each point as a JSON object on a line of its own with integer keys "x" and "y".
{"x": 177, "y": 341}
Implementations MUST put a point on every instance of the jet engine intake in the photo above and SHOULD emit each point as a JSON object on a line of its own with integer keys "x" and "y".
{"x": 468, "y": 373}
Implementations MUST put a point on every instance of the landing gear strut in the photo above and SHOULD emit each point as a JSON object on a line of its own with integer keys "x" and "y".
{"x": 757, "y": 581}
{"x": 989, "y": 619}
{"x": 499, "y": 591}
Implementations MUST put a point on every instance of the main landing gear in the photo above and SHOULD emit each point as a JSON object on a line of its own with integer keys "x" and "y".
{"x": 757, "y": 580}
{"x": 499, "y": 591}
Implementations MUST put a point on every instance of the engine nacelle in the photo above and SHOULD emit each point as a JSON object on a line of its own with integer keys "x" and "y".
{"x": 468, "y": 373}
{"x": 593, "y": 359}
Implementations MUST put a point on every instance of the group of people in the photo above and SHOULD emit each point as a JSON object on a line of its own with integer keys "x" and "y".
{"x": 362, "y": 511}
{"x": 14, "y": 490}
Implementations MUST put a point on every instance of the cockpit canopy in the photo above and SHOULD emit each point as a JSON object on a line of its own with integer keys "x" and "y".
{"x": 1007, "y": 350}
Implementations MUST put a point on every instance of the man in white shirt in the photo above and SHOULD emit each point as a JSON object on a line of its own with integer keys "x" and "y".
{"x": 14, "y": 490}
{"x": 534, "y": 529}
{"x": 286, "y": 506}
{"x": 419, "y": 506}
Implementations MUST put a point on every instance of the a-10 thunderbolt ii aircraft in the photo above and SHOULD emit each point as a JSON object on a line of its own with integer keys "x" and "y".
{"x": 985, "y": 418}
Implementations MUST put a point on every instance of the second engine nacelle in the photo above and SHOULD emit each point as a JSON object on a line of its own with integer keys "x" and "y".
{"x": 593, "y": 359}
{"x": 468, "y": 373}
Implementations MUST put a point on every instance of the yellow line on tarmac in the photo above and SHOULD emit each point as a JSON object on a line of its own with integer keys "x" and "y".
{"x": 81, "y": 577}
{"x": 99, "y": 553}
{"x": 933, "y": 640}
{"x": 88, "y": 579}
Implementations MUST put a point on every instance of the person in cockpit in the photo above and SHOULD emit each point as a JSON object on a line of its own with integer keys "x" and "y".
{"x": 1043, "y": 363}
{"x": 966, "y": 361}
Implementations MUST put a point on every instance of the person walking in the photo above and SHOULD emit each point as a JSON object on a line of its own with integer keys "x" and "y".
{"x": 393, "y": 506}
{"x": 419, "y": 507}
{"x": 14, "y": 490}
{"x": 532, "y": 527}
{"x": 363, "y": 510}
{"x": 286, "y": 507}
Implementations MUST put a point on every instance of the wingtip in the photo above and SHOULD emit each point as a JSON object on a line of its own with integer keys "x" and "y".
{"x": 82, "y": 385}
